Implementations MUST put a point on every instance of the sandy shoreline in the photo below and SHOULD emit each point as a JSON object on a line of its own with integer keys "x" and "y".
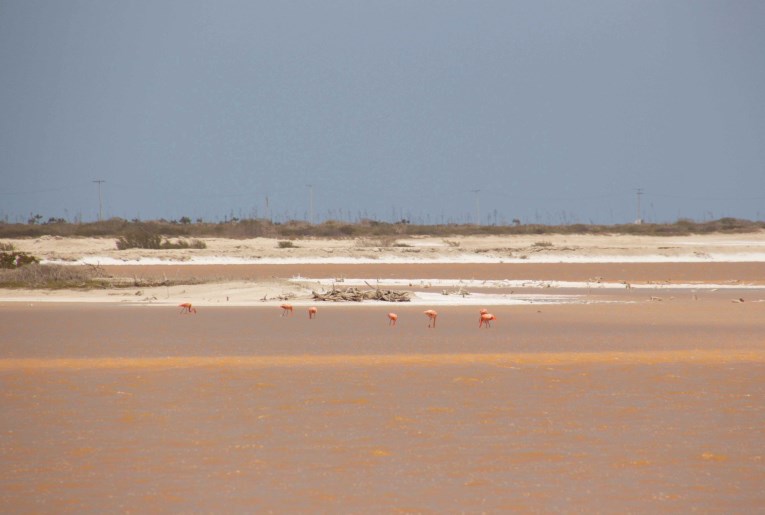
{"x": 493, "y": 269}
{"x": 463, "y": 249}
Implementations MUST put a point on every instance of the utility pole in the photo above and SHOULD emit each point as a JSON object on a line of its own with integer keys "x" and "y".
{"x": 639, "y": 192}
{"x": 477, "y": 208}
{"x": 310, "y": 203}
{"x": 100, "y": 204}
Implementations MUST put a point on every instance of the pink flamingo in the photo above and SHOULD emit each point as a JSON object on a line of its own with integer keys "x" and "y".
{"x": 392, "y": 317}
{"x": 486, "y": 318}
{"x": 431, "y": 317}
{"x": 287, "y": 309}
{"x": 312, "y": 312}
{"x": 187, "y": 308}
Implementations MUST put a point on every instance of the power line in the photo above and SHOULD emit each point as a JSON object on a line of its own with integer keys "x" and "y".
{"x": 100, "y": 204}
{"x": 310, "y": 212}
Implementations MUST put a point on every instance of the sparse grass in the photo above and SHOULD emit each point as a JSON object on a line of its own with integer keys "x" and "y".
{"x": 383, "y": 242}
{"x": 286, "y": 244}
{"x": 79, "y": 277}
{"x": 36, "y": 276}
{"x": 6, "y": 247}
{"x": 542, "y": 244}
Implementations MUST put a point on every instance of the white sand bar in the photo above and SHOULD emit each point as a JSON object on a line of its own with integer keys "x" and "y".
{"x": 425, "y": 249}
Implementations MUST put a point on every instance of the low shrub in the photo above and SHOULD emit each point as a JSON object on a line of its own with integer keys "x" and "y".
{"x": 139, "y": 239}
{"x": 12, "y": 260}
{"x": 183, "y": 244}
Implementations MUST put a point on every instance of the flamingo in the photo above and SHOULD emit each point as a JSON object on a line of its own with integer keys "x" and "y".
{"x": 392, "y": 317}
{"x": 187, "y": 308}
{"x": 481, "y": 313}
{"x": 486, "y": 318}
{"x": 312, "y": 311}
{"x": 287, "y": 309}
{"x": 431, "y": 317}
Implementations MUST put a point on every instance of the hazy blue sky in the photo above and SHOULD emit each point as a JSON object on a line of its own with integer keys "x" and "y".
{"x": 555, "y": 110}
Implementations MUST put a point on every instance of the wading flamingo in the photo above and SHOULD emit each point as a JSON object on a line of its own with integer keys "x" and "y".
{"x": 486, "y": 318}
{"x": 312, "y": 312}
{"x": 187, "y": 308}
{"x": 481, "y": 313}
{"x": 431, "y": 317}
{"x": 392, "y": 317}
{"x": 286, "y": 309}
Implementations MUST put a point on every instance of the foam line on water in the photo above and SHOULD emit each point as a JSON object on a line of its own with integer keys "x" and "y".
{"x": 504, "y": 360}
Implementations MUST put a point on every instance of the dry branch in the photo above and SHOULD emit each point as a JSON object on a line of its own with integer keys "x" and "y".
{"x": 356, "y": 295}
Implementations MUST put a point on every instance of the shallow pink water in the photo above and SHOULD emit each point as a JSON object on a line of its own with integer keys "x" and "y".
{"x": 635, "y": 409}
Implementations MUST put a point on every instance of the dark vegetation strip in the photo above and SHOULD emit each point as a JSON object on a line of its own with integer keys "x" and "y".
{"x": 153, "y": 231}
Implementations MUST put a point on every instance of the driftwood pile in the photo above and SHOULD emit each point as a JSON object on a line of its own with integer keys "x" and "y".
{"x": 357, "y": 295}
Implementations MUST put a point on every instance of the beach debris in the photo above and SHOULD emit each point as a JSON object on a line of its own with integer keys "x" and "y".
{"x": 459, "y": 291}
{"x": 282, "y": 297}
{"x": 738, "y": 301}
{"x": 356, "y": 295}
{"x": 656, "y": 299}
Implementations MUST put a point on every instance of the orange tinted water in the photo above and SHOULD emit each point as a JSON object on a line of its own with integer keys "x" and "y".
{"x": 574, "y": 408}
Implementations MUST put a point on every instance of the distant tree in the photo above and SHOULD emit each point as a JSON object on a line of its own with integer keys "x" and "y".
{"x": 185, "y": 220}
